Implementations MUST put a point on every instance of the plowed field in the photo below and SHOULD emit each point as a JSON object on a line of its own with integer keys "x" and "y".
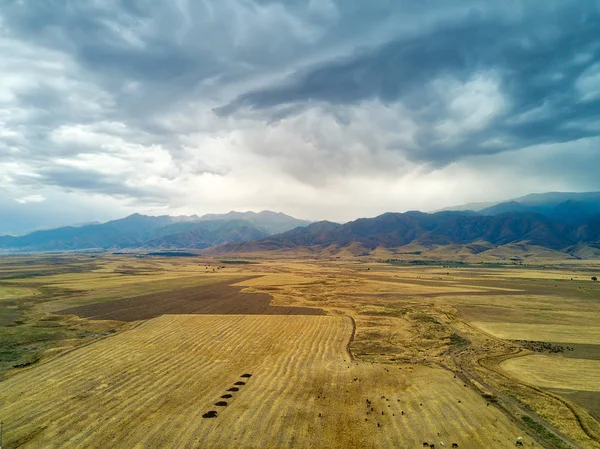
{"x": 217, "y": 298}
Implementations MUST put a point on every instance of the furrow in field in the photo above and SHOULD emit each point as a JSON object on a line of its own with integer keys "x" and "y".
{"x": 150, "y": 386}
{"x": 142, "y": 409}
{"x": 61, "y": 387}
{"x": 137, "y": 411}
{"x": 109, "y": 406}
{"x": 175, "y": 423}
{"x": 281, "y": 384}
{"x": 254, "y": 385}
{"x": 193, "y": 417}
{"x": 265, "y": 380}
{"x": 272, "y": 385}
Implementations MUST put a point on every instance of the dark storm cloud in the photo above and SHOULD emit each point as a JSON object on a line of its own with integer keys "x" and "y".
{"x": 197, "y": 101}
{"x": 171, "y": 46}
{"x": 114, "y": 44}
{"x": 102, "y": 36}
{"x": 167, "y": 51}
{"x": 538, "y": 60}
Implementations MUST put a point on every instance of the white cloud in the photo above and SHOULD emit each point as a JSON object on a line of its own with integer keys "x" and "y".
{"x": 588, "y": 83}
{"x": 30, "y": 199}
{"x": 471, "y": 105}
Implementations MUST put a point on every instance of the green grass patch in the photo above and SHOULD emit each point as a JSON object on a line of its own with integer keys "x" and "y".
{"x": 12, "y": 292}
{"x": 544, "y": 433}
{"x": 22, "y": 345}
{"x": 457, "y": 340}
{"x": 11, "y": 314}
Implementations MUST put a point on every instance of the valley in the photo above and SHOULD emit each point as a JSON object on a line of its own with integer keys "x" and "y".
{"x": 341, "y": 352}
{"x": 266, "y": 224}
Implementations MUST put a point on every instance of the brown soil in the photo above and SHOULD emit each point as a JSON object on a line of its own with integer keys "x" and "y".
{"x": 214, "y": 299}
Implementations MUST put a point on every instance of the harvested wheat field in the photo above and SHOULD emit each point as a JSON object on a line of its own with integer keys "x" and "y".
{"x": 269, "y": 381}
{"x": 555, "y": 372}
{"x": 577, "y": 380}
{"x": 543, "y": 332}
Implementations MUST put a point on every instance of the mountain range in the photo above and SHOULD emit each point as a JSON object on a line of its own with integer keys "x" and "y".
{"x": 568, "y": 223}
{"x": 561, "y": 206}
{"x": 142, "y": 232}
{"x": 394, "y": 230}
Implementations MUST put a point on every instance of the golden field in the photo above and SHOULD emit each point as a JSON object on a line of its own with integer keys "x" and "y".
{"x": 150, "y": 386}
{"x": 554, "y": 372}
{"x": 465, "y": 341}
{"x": 563, "y": 333}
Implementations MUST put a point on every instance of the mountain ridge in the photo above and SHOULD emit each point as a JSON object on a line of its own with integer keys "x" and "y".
{"x": 568, "y": 207}
{"x": 393, "y": 230}
{"x": 558, "y": 221}
{"x": 144, "y": 231}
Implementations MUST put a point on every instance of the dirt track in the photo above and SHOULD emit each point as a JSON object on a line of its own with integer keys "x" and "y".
{"x": 218, "y": 298}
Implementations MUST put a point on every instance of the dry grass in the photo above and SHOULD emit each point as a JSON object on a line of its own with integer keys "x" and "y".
{"x": 542, "y": 332}
{"x": 150, "y": 386}
{"x": 11, "y": 292}
{"x": 555, "y": 372}
{"x": 410, "y": 320}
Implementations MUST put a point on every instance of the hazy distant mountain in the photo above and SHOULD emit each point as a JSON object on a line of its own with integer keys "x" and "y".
{"x": 561, "y": 206}
{"x": 469, "y": 206}
{"x": 267, "y": 221}
{"x": 122, "y": 233}
{"x": 319, "y": 233}
{"x": 136, "y": 222}
{"x": 554, "y": 198}
{"x": 200, "y": 235}
{"x": 506, "y": 208}
{"x": 48, "y": 228}
{"x": 557, "y": 221}
{"x": 142, "y": 231}
{"x": 392, "y": 230}
{"x": 533, "y": 199}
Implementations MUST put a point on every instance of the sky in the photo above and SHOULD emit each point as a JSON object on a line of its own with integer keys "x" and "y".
{"x": 321, "y": 109}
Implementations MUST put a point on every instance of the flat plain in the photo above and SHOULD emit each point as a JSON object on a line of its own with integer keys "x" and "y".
{"x": 132, "y": 351}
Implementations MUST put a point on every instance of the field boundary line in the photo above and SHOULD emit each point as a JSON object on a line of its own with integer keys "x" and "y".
{"x": 68, "y": 351}
{"x": 498, "y": 370}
